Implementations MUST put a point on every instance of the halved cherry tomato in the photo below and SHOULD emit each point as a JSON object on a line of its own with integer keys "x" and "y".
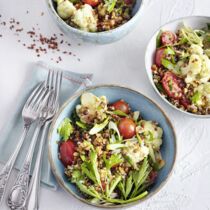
{"x": 122, "y": 106}
{"x": 127, "y": 128}
{"x": 172, "y": 84}
{"x": 159, "y": 55}
{"x": 92, "y": 3}
{"x": 167, "y": 38}
{"x": 67, "y": 150}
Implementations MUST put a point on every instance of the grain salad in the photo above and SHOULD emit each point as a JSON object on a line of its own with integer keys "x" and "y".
{"x": 109, "y": 152}
{"x": 95, "y": 15}
{"x": 181, "y": 69}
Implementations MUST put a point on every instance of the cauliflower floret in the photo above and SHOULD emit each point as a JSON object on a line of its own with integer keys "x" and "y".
{"x": 204, "y": 90}
{"x": 205, "y": 72}
{"x": 197, "y": 69}
{"x": 92, "y": 108}
{"x": 85, "y": 18}
{"x": 135, "y": 151}
{"x": 65, "y": 9}
{"x": 196, "y": 49}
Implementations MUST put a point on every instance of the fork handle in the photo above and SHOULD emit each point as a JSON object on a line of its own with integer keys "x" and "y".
{"x": 32, "y": 202}
{"x": 19, "y": 191}
{"x": 6, "y": 171}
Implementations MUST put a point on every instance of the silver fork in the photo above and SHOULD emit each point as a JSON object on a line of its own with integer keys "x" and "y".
{"x": 19, "y": 191}
{"x": 32, "y": 201}
{"x": 29, "y": 114}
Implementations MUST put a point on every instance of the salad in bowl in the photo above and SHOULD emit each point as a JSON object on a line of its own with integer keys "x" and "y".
{"x": 95, "y": 15}
{"x": 109, "y": 151}
{"x": 181, "y": 68}
{"x": 111, "y": 146}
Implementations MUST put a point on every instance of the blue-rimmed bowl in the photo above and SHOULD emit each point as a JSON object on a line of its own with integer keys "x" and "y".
{"x": 98, "y": 37}
{"x": 196, "y": 22}
{"x": 149, "y": 111}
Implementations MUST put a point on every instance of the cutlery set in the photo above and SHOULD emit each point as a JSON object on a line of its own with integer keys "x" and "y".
{"x": 40, "y": 108}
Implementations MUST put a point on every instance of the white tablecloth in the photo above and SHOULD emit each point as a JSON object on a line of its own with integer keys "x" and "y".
{"x": 118, "y": 63}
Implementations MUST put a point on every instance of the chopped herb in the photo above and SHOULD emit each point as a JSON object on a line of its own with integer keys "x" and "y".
{"x": 170, "y": 85}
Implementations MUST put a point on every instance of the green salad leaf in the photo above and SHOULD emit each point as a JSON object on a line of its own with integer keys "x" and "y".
{"x": 128, "y": 186}
{"x": 81, "y": 124}
{"x": 120, "y": 113}
{"x": 114, "y": 160}
{"x": 99, "y": 127}
{"x": 196, "y": 97}
{"x": 94, "y": 165}
{"x": 120, "y": 201}
{"x": 110, "y": 5}
{"x": 167, "y": 64}
{"x": 88, "y": 190}
{"x": 114, "y": 184}
{"x": 65, "y": 129}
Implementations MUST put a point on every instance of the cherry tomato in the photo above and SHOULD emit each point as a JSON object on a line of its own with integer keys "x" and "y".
{"x": 122, "y": 106}
{"x": 167, "y": 38}
{"x": 92, "y": 3}
{"x": 159, "y": 55}
{"x": 172, "y": 85}
{"x": 67, "y": 150}
{"x": 127, "y": 128}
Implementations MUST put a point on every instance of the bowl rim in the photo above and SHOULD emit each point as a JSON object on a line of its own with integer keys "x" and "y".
{"x": 147, "y": 70}
{"x": 76, "y": 30}
{"x": 60, "y": 180}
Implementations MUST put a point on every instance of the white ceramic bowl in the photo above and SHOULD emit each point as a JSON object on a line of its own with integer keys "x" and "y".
{"x": 192, "y": 21}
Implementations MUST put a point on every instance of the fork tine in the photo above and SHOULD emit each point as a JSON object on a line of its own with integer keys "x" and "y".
{"x": 47, "y": 82}
{"x": 37, "y": 100}
{"x": 36, "y": 92}
{"x": 58, "y": 85}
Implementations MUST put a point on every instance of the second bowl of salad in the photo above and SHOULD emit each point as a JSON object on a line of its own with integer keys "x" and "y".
{"x": 178, "y": 64}
{"x": 111, "y": 146}
{"x": 97, "y": 21}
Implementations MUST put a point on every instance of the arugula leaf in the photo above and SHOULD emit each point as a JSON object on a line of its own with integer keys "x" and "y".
{"x": 129, "y": 185}
{"x": 113, "y": 126}
{"x": 89, "y": 191}
{"x": 120, "y": 113}
{"x": 169, "y": 51}
{"x": 138, "y": 175}
{"x": 113, "y": 184}
{"x": 120, "y": 201}
{"x": 76, "y": 176}
{"x": 99, "y": 127}
{"x": 94, "y": 164}
{"x": 110, "y": 4}
{"x": 65, "y": 129}
{"x": 167, "y": 64}
{"x": 121, "y": 187}
{"x": 81, "y": 124}
{"x": 114, "y": 160}
{"x": 86, "y": 169}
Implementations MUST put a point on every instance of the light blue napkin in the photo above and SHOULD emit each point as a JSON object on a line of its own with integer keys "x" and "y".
{"x": 9, "y": 134}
